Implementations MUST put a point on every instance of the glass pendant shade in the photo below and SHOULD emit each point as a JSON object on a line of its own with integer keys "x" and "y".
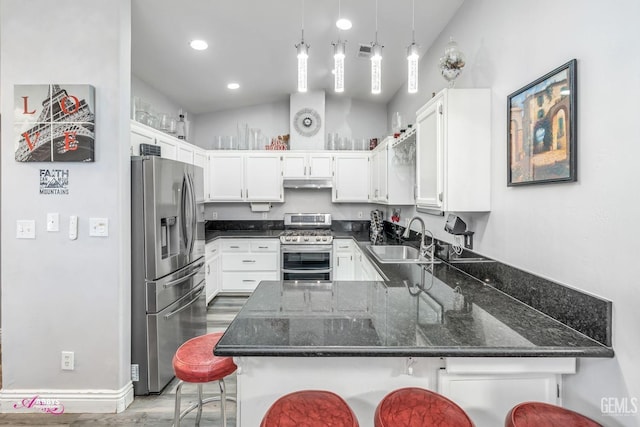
{"x": 412, "y": 68}
{"x": 376, "y": 69}
{"x": 338, "y": 64}
{"x": 302, "y": 67}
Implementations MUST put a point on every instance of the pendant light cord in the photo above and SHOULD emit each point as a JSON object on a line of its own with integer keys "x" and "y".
{"x": 302, "y": 21}
{"x": 413, "y": 21}
{"x": 376, "y": 21}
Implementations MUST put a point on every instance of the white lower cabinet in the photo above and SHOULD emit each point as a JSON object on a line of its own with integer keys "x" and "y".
{"x": 343, "y": 259}
{"x": 246, "y": 262}
{"x": 350, "y": 263}
{"x": 477, "y": 384}
{"x": 212, "y": 270}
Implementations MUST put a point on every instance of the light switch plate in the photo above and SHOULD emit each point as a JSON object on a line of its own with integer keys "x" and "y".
{"x": 25, "y": 229}
{"x": 53, "y": 221}
{"x": 99, "y": 227}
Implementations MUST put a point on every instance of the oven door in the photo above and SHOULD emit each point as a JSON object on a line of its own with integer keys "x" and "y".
{"x": 301, "y": 262}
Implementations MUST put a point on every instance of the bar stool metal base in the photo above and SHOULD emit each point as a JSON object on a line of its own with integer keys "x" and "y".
{"x": 222, "y": 398}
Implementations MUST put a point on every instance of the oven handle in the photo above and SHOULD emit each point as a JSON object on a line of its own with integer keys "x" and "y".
{"x": 303, "y": 248}
{"x": 307, "y": 270}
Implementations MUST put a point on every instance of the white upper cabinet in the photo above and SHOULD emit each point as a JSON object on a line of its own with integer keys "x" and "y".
{"x": 393, "y": 172}
{"x": 142, "y": 134}
{"x": 306, "y": 165}
{"x": 351, "y": 177}
{"x": 263, "y": 178}
{"x": 186, "y": 152}
{"x": 453, "y": 147}
{"x": 241, "y": 177}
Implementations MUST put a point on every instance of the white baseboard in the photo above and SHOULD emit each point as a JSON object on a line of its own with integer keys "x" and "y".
{"x": 70, "y": 401}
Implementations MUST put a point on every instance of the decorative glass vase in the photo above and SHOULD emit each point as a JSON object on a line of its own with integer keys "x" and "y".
{"x": 452, "y": 63}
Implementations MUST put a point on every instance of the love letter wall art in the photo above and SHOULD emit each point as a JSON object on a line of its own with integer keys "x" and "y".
{"x": 54, "y": 123}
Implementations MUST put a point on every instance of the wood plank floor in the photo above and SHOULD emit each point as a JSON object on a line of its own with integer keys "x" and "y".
{"x": 156, "y": 411}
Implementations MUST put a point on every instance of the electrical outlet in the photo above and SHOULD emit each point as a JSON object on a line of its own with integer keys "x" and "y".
{"x": 214, "y": 215}
{"x": 67, "y": 362}
{"x": 360, "y": 214}
{"x": 264, "y": 215}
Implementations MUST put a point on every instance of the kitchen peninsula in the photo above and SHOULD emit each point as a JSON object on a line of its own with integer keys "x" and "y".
{"x": 362, "y": 339}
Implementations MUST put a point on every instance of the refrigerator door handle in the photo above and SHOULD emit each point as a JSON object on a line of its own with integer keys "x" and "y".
{"x": 183, "y": 212}
{"x": 194, "y": 217}
{"x": 184, "y": 307}
{"x": 196, "y": 270}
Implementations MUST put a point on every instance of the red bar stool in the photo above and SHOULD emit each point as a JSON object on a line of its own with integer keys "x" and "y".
{"x": 194, "y": 362}
{"x": 417, "y": 407}
{"x": 533, "y": 414}
{"x": 310, "y": 408}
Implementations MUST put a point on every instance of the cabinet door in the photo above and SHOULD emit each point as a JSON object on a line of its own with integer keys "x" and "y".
{"x": 294, "y": 166}
{"x": 429, "y": 146}
{"x": 381, "y": 171}
{"x": 168, "y": 147}
{"x": 343, "y": 268}
{"x": 263, "y": 178}
{"x": 200, "y": 159}
{"x": 319, "y": 166}
{"x": 140, "y": 136}
{"x": 226, "y": 177}
{"x": 351, "y": 179}
{"x": 212, "y": 277}
{"x": 185, "y": 152}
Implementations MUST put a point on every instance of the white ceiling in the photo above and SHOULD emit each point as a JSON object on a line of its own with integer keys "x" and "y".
{"x": 252, "y": 42}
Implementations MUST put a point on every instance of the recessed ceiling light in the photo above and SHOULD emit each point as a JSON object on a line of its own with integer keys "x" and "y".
{"x": 233, "y": 86}
{"x": 343, "y": 24}
{"x": 198, "y": 44}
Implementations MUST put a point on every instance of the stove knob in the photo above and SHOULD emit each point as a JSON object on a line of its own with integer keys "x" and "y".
{"x": 318, "y": 239}
{"x": 324, "y": 239}
{"x": 306, "y": 239}
{"x": 287, "y": 239}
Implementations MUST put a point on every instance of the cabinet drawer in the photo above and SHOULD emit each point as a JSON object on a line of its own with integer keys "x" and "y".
{"x": 241, "y": 281}
{"x": 236, "y": 245}
{"x": 343, "y": 245}
{"x": 270, "y": 245}
{"x": 211, "y": 249}
{"x": 250, "y": 262}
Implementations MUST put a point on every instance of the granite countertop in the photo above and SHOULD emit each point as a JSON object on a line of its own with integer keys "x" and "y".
{"x": 454, "y": 314}
{"x": 455, "y": 317}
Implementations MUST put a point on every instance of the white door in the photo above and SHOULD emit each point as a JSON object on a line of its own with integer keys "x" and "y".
{"x": 168, "y": 147}
{"x": 294, "y": 166}
{"x": 429, "y": 146}
{"x": 319, "y": 166}
{"x": 263, "y": 175}
{"x": 351, "y": 180}
{"x": 226, "y": 177}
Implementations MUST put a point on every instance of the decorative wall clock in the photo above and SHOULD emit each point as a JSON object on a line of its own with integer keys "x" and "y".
{"x": 307, "y": 122}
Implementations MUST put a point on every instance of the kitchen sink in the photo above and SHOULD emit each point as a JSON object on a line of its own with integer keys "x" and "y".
{"x": 397, "y": 254}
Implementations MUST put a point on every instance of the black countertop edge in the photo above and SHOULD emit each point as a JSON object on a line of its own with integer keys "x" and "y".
{"x": 241, "y": 351}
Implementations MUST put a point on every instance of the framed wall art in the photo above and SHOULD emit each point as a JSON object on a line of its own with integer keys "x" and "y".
{"x": 541, "y": 129}
{"x": 54, "y": 123}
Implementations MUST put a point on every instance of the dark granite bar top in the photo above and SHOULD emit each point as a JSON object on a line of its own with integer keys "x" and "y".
{"x": 454, "y": 314}
{"x": 368, "y": 318}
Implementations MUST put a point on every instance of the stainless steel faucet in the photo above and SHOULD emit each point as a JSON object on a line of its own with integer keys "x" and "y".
{"x": 424, "y": 249}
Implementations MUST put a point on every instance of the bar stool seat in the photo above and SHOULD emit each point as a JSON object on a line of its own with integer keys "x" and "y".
{"x": 194, "y": 362}
{"x": 533, "y": 414}
{"x": 417, "y": 407}
{"x": 310, "y": 408}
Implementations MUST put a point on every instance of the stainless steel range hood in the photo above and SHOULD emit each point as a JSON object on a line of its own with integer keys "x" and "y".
{"x": 307, "y": 183}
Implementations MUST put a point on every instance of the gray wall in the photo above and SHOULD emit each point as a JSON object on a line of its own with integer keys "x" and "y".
{"x": 59, "y": 294}
{"x": 580, "y": 234}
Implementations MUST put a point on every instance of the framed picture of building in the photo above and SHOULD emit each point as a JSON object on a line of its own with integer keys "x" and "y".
{"x": 541, "y": 129}
{"x": 54, "y": 123}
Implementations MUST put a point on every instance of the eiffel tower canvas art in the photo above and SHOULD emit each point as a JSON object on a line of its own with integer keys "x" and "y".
{"x": 54, "y": 123}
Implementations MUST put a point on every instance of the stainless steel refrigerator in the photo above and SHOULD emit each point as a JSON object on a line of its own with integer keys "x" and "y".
{"x": 168, "y": 301}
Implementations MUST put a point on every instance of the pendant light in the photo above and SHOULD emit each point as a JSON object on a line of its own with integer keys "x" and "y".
{"x": 338, "y": 60}
{"x": 412, "y": 55}
{"x": 376, "y": 61}
{"x": 303, "y": 54}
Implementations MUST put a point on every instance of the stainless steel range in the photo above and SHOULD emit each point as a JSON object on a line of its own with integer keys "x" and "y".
{"x": 307, "y": 247}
